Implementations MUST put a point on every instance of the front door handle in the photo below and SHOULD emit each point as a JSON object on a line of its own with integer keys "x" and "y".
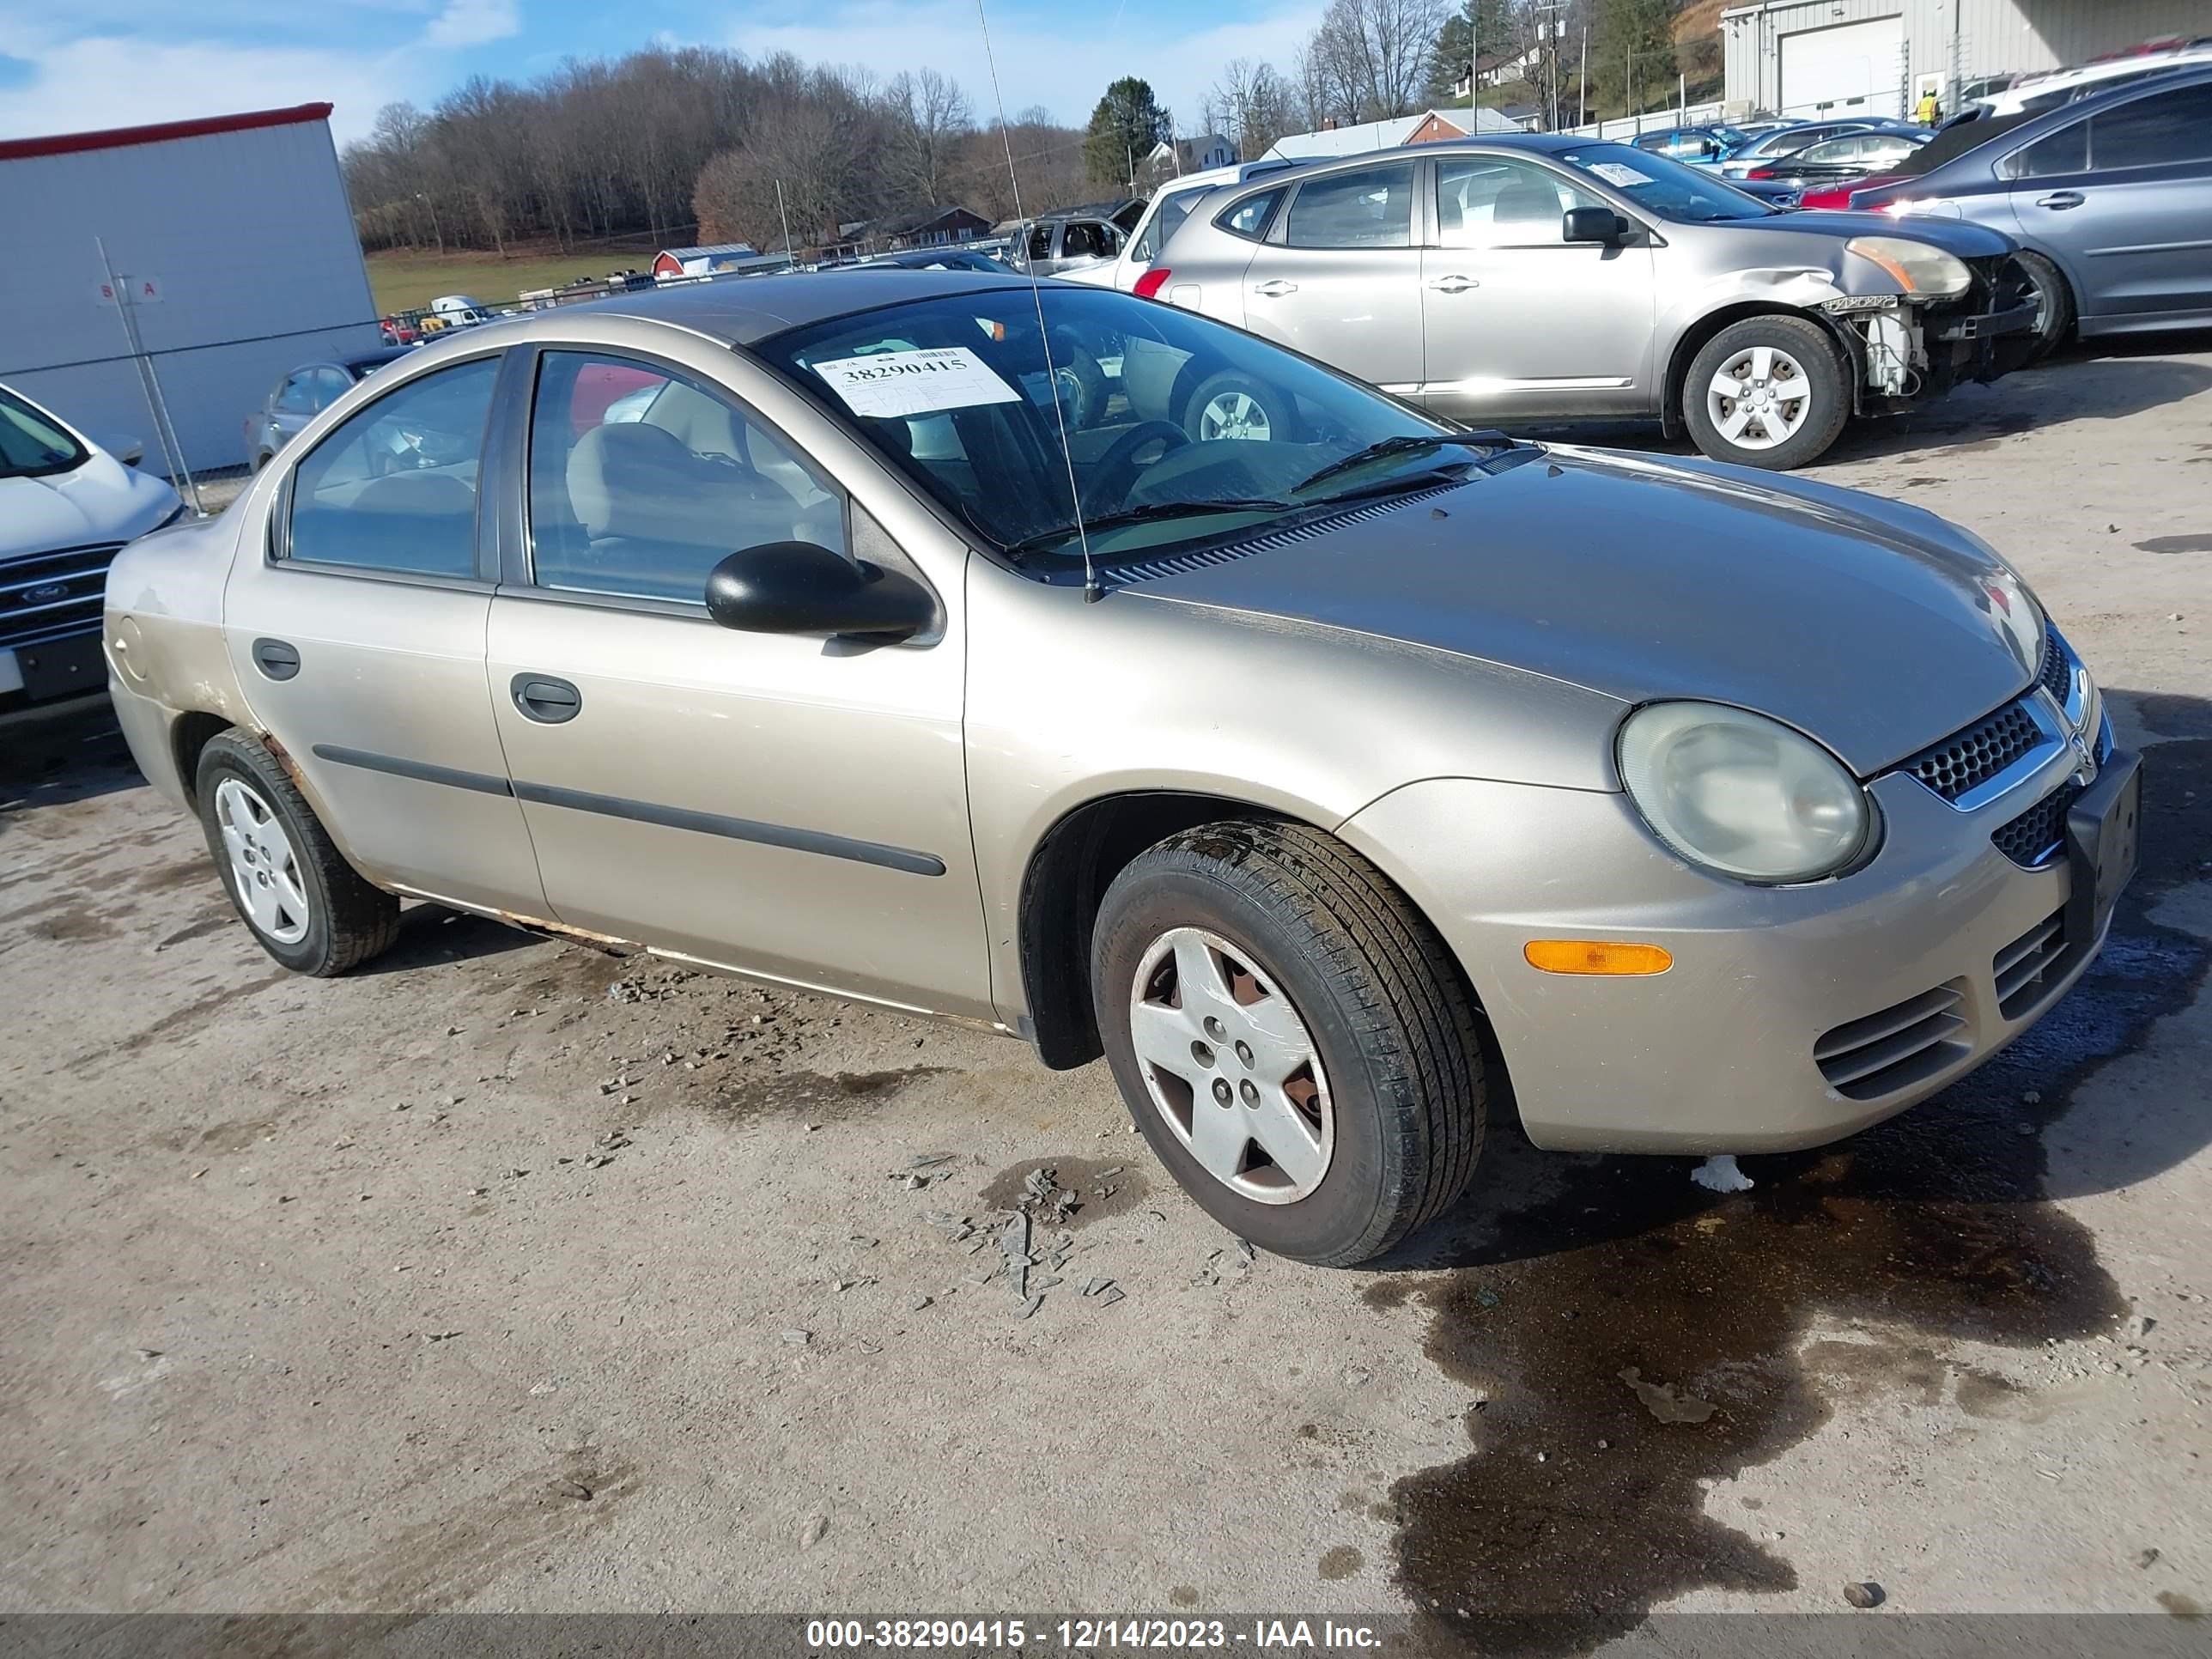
{"x": 546, "y": 700}
{"x": 1454, "y": 284}
{"x": 2060, "y": 200}
{"x": 275, "y": 659}
{"x": 1276, "y": 289}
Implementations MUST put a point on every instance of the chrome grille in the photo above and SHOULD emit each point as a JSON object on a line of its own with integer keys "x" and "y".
{"x": 2057, "y": 675}
{"x": 2023, "y": 967}
{"x": 52, "y": 595}
{"x": 2038, "y": 836}
{"x": 1866, "y": 1059}
{"x": 1977, "y": 754}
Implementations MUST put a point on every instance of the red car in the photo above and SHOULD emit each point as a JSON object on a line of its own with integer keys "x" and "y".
{"x": 1839, "y": 195}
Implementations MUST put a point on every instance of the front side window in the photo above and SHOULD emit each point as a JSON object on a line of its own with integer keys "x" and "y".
{"x": 1368, "y": 207}
{"x": 2166, "y": 127}
{"x": 294, "y": 397}
{"x": 1040, "y": 242}
{"x": 1488, "y": 201}
{"x": 642, "y": 480}
{"x": 1199, "y": 430}
{"x": 394, "y": 487}
{"x": 33, "y": 445}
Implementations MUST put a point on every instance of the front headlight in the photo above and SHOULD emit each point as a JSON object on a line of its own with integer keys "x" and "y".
{"x": 1918, "y": 267}
{"x": 1741, "y": 793}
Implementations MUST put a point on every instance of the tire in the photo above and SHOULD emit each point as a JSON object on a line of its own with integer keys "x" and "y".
{"x": 1231, "y": 404}
{"x": 240, "y": 786}
{"x": 1813, "y": 361}
{"x": 2054, "y": 297}
{"x": 1080, "y": 373}
{"x": 1394, "y": 1092}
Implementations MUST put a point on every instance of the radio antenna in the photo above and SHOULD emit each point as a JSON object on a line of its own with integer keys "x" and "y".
{"x": 1092, "y": 593}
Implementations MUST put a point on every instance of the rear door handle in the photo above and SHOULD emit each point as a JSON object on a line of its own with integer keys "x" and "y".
{"x": 1454, "y": 284}
{"x": 2060, "y": 198}
{"x": 275, "y": 659}
{"x": 546, "y": 700}
{"x": 1276, "y": 289}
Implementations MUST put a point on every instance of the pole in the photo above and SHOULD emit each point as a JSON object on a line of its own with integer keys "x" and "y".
{"x": 1582, "y": 81}
{"x": 785, "y": 217}
{"x": 1474, "y": 58}
{"x": 165, "y": 434}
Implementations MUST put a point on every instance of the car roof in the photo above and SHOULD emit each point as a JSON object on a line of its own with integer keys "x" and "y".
{"x": 1971, "y": 138}
{"x": 742, "y": 310}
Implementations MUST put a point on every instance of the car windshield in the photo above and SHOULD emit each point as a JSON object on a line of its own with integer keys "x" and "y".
{"x": 1686, "y": 195}
{"x": 33, "y": 446}
{"x": 1177, "y": 429}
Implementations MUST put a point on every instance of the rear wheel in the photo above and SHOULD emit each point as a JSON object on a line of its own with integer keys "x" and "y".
{"x": 1231, "y": 405}
{"x": 2054, "y": 303}
{"x": 305, "y": 905}
{"x": 1291, "y": 1037}
{"x": 1768, "y": 391}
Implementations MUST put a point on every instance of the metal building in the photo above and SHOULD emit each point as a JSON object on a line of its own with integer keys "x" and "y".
{"x": 1831, "y": 58}
{"x": 237, "y": 248}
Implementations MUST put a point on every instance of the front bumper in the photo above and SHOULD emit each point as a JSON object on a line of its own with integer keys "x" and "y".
{"x": 1791, "y": 1016}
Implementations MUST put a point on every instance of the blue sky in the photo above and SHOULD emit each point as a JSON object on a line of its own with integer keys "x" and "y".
{"x": 87, "y": 63}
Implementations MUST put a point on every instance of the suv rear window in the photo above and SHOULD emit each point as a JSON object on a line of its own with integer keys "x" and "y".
{"x": 1250, "y": 217}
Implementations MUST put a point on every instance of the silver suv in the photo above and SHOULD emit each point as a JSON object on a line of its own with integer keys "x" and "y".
{"x": 1547, "y": 278}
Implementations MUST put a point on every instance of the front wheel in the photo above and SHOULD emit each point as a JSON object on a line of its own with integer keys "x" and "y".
{"x": 1768, "y": 391}
{"x": 1292, "y": 1036}
{"x": 2054, "y": 303}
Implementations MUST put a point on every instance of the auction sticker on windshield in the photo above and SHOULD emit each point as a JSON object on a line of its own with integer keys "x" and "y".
{"x": 893, "y": 383}
{"x": 1615, "y": 173}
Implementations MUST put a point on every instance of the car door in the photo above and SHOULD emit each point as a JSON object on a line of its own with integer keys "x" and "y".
{"x": 1338, "y": 276}
{"x": 358, "y": 635}
{"x": 1521, "y": 323}
{"x": 291, "y": 406}
{"x": 788, "y": 806}
{"x": 2123, "y": 200}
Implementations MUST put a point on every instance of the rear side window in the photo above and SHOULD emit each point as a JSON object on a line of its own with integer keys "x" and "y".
{"x": 2165, "y": 127}
{"x": 395, "y": 487}
{"x": 1368, "y": 207}
{"x": 2066, "y": 150}
{"x": 1250, "y": 217}
{"x": 1084, "y": 239}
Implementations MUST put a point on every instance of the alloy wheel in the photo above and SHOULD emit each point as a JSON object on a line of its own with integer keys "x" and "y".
{"x": 1231, "y": 1066}
{"x": 1234, "y": 415}
{"x": 265, "y": 867}
{"x": 1759, "y": 398}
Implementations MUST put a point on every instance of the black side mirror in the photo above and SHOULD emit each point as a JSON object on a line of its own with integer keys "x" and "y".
{"x": 797, "y": 587}
{"x": 1592, "y": 224}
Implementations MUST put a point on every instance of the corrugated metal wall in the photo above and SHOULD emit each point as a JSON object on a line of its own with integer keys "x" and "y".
{"x": 253, "y": 243}
{"x": 1990, "y": 36}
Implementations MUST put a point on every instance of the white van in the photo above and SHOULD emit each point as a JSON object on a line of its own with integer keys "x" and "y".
{"x": 1170, "y": 205}
{"x": 459, "y": 310}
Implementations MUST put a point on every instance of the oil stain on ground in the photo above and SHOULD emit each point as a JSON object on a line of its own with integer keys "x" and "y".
{"x": 819, "y": 1096}
{"x": 1633, "y": 1339}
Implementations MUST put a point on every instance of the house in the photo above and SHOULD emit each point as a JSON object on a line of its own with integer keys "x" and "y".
{"x": 702, "y": 261}
{"x": 1495, "y": 68}
{"x": 1183, "y": 156}
{"x": 931, "y": 227}
{"x": 1426, "y": 127}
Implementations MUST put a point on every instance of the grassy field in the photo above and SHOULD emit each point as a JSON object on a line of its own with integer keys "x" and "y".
{"x": 404, "y": 282}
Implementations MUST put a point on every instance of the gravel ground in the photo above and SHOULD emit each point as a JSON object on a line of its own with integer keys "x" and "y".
{"x": 505, "y": 1275}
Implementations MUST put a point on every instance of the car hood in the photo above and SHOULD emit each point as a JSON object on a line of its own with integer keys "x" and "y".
{"x": 1864, "y": 622}
{"x": 102, "y": 500}
{"x": 1953, "y": 236}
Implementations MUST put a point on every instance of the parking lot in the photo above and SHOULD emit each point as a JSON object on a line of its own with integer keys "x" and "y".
{"x": 505, "y": 1275}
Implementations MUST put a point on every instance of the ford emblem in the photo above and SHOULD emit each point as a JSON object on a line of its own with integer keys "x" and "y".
{"x": 46, "y": 595}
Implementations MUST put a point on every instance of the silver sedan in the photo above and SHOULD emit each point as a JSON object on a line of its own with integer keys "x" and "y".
{"x": 1320, "y": 778}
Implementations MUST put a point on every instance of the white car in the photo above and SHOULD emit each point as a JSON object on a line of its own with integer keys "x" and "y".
{"x": 67, "y": 507}
{"x": 1170, "y": 205}
{"x": 2033, "y": 94}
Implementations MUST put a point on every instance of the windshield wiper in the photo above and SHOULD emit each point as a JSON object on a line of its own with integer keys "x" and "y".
{"x": 1150, "y": 513}
{"x": 1405, "y": 444}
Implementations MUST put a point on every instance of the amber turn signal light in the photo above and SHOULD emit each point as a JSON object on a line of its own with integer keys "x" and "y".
{"x": 1588, "y": 955}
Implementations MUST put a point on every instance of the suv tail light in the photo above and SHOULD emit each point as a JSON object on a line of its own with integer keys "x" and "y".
{"x": 1149, "y": 284}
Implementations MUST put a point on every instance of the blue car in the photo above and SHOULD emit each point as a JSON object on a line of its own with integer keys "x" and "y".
{"x": 1700, "y": 147}
{"x": 2110, "y": 198}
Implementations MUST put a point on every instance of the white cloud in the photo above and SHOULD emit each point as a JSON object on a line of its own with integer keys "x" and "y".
{"x": 108, "y": 80}
{"x": 472, "y": 22}
{"x": 1053, "y": 59}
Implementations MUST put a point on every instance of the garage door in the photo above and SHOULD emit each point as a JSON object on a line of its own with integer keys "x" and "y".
{"x": 1851, "y": 69}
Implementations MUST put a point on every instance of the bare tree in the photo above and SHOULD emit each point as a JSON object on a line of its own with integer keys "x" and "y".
{"x": 1368, "y": 59}
{"x": 927, "y": 115}
{"x": 1251, "y": 106}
